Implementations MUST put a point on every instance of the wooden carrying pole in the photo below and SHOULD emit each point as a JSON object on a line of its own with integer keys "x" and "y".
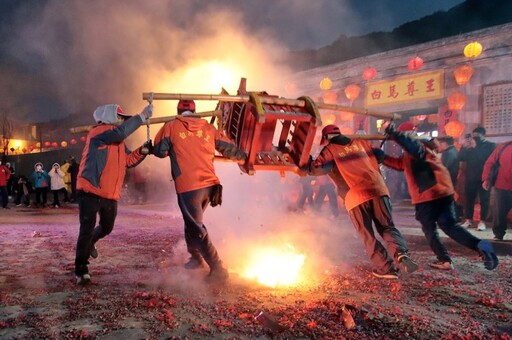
{"x": 158, "y": 120}
{"x": 266, "y": 100}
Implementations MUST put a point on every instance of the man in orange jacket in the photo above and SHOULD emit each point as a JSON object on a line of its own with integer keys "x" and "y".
{"x": 432, "y": 194}
{"x": 354, "y": 164}
{"x": 190, "y": 142}
{"x": 101, "y": 174}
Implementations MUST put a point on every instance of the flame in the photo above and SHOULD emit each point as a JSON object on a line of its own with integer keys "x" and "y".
{"x": 275, "y": 267}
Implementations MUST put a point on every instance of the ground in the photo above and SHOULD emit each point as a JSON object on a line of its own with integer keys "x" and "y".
{"x": 141, "y": 291}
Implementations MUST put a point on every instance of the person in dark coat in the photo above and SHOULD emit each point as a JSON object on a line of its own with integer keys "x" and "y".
{"x": 475, "y": 155}
{"x": 73, "y": 171}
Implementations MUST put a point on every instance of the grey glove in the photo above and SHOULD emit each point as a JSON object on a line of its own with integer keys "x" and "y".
{"x": 147, "y": 112}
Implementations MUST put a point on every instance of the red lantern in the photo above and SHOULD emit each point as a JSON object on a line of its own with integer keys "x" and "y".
{"x": 31, "y": 148}
{"x": 352, "y": 91}
{"x": 463, "y": 74}
{"x": 330, "y": 97}
{"x": 73, "y": 141}
{"x": 369, "y": 73}
{"x": 415, "y": 64}
{"x": 83, "y": 138}
{"x": 328, "y": 119}
{"x": 24, "y": 150}
{"x": 47, "y": 144}
{"x": 454, "y": 128}
{"x": 55, "y": 144}
{"x": 456, "y": 101}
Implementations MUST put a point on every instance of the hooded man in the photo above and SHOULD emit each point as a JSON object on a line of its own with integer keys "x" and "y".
{"x": 57, "y": 183}
{"x": 101, "y": 174}
{"x": 190, "y": 142}
{"x": 353, "y": 165}
{"x": 41, "y": 182}
{"x": 431, "y": 190}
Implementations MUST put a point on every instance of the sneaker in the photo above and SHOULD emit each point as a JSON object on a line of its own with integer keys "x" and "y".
{"x": 467, "y": 224}
{"x": 83, "y": 279}
{"x": 481, "y": 226}
{"x": 217, "y": 276}
{"x": 391, "y": 273}
{"x": 407, "y": 264}
{"x": 93, "y": 252}
{"x": 443, "y": 265}
{"x": 488, "y": 255}
{"x": 194, "y": 263}
{"x": 18, "y": 205}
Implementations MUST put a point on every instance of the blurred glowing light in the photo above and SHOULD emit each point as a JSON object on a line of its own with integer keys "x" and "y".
{"x": 463, "y": 74}
{"x": 325, "y": 84}
{"x": 456, "y": 101}
{"x": 369, "y": 73}
{"x": 415, "y": 64}
{"x": 275, "y": 266}
{"x": 352, "y": 91}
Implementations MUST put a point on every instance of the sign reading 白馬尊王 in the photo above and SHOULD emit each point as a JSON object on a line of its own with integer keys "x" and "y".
{"x": 420, "y": 86}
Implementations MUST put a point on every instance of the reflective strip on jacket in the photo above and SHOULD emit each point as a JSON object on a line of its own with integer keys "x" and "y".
{"x": 105, "y": 159}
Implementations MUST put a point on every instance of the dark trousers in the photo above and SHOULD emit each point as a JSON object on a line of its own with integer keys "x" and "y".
{"x": 502, "y": 206}
{"x": 378, "y": 210}
{"x": 474, "y": 189}
{"x": 329, "y": 191}
{"x": 56, "y": 196}
{"x": 5, "y": 196}
{"x": 41, "y": 196}
{"x": 90, "y": 205}
{"x": 441, "y": 212}
{"x": 306, "y": 195}
{"x": 192, "y": 205}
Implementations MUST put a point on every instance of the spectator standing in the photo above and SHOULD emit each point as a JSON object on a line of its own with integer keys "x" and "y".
{"x": 190, "y": 142}
{"x": 67, "y": 179}
{"x": 306, "y": 193}
{"x": 431, "y": 191}
{"x": 23, "y": 192}
{"x": 73, "y": 172}
{"x": 5, "y": 174}
{"x": 41, "y": 182}
{"x": 102, "y": 169}
{"x": 11, "y": 182}
{"x": 475, "y": 157}
{"x": 450, "y": 159}
{"x": 502, "y": 187}
{"x": 354, "y": 163}
{"x": 326, "y": 188}
{"x": 57, "y": 184}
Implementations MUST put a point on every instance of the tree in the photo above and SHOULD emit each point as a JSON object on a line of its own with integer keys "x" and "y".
{"x": 6, "y": 133}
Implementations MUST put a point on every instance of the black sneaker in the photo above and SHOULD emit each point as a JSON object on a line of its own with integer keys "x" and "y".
{"x": 391, "y": 273}
{"x": 83, "y": 279}
{"x": 194, "y": 263}
{"x": 93, "y": 252}
{"x": 218, "y": 276}
{"x": 407, "y": 264}
{"x": 488, "y": 255}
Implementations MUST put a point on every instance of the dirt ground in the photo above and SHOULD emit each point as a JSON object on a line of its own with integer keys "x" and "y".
{"x": 141, "y": 291}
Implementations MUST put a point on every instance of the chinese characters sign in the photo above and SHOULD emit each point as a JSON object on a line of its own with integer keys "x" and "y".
{"x": 420, "y": 86}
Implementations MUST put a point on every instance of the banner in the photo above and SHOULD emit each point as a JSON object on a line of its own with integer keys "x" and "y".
{"x": 420, "y": 86}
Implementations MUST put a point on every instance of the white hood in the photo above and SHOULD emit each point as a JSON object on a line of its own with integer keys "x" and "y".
{"x": 106, "y": 114}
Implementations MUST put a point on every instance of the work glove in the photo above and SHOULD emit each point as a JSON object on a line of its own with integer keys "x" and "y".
{"x": 147, "y": 112}
{"x": 147, "y": 148}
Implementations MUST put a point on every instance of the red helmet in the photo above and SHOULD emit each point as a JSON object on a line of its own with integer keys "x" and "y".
{"x": 328, "y": 130}
{"x": 186, "y": 105}
{"x": 406, "y": 126}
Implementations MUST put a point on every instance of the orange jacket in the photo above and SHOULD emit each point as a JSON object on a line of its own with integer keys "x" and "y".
{"x": 354, "y": 165}
{"x": 105, "y": 159}
{"x": 190, "y": 143}
{"x": 427, "y": 178}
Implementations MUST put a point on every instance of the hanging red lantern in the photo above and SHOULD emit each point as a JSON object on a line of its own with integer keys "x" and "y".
{"x": 73, "y": 141}
{"x": 415, "y": 64}
{"x": 55, "y": 144}
{"x": 473, "y": 50}
{"x": 325, "y": 84}
{"x": 456, "y": 101}
{"x": 330, "y": 97}
{"x": 352, "y": 91}
{"x": 454, "y": 128}
{"x": 463, "y": 74}
{"x": 47, "y": 144}
{"x": 369, "y": 73}
{"x": 24, "y": 150}
{"x": 83, "y": 138}
{"x": 31, "y": 148}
